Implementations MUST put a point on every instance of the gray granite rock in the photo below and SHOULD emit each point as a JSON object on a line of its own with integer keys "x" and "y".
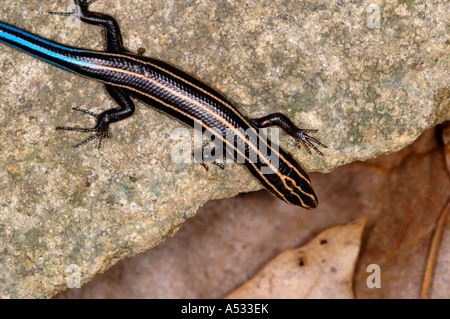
{"x": 370, "y": 83}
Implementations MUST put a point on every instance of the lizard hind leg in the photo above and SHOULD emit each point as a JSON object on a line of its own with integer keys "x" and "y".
{"x": 101, "y": 129}
{"x": 105, "y": 118}
{"x": 114, "y": 42}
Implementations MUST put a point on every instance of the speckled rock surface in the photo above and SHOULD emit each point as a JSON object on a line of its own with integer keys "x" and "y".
{"x": 369, "y": 85}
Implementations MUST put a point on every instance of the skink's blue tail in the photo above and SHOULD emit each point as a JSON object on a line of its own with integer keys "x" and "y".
{"x": 48, "y": 51}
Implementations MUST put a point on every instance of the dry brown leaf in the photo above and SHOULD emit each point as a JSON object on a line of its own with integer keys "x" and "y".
{"x": 440, "y": 280}
{"x": 446, "y": 140}
{"x": 398, "y": 237}
{"x": 433, "y": 253}
{"x": 321, "y": 269}
{"x": 436, "y": 279}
